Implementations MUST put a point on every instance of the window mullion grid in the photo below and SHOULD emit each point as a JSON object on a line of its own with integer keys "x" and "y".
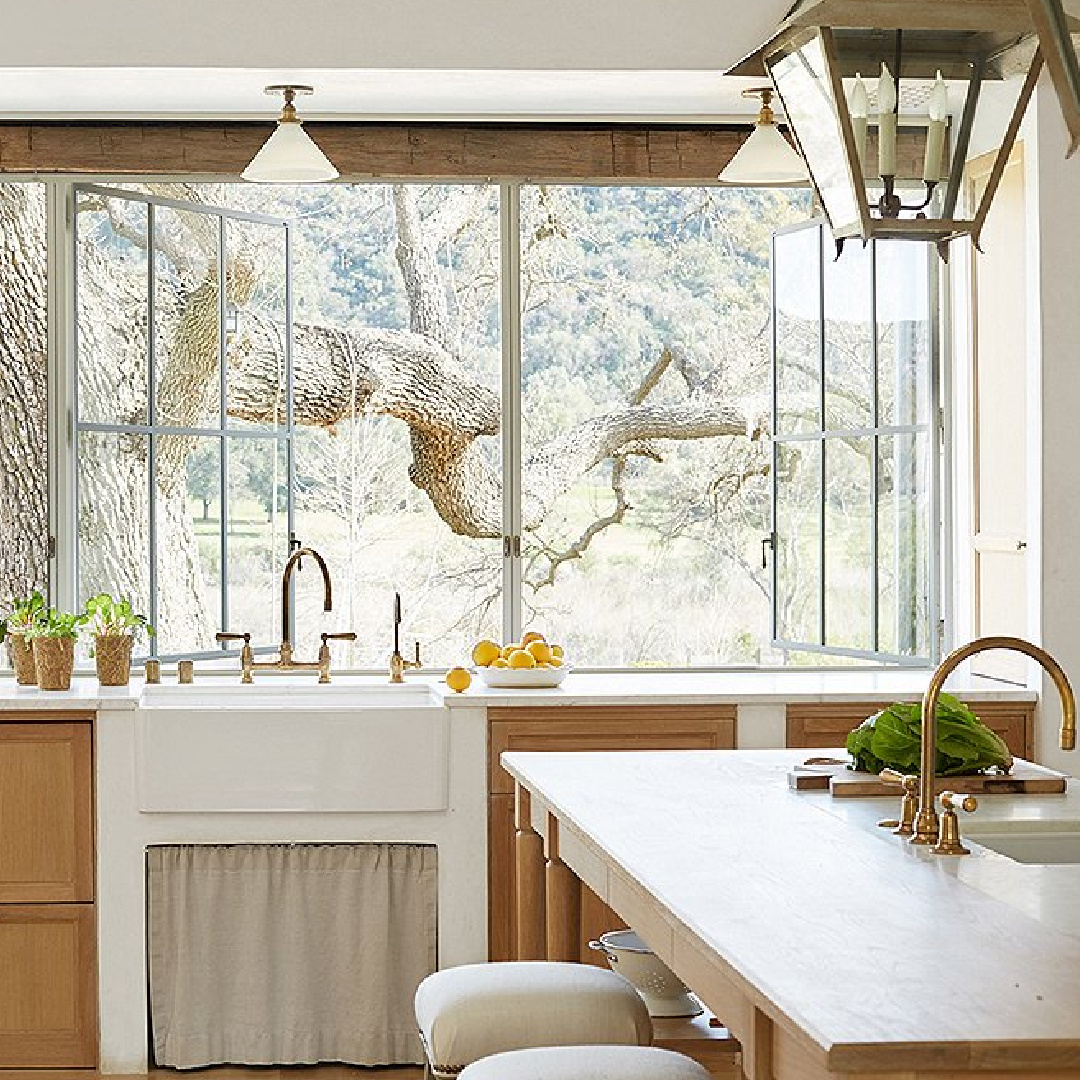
{"x": 290, "y": 440}
{"x": 223, "y": 442}
{"x": 821, "y": 421}
{"x": 510, "y": 326}
{"x": 875, "y": 445}
{"x": 151, "y": 401}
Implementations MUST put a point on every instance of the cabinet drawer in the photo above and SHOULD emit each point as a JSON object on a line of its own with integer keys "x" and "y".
{"x": 46, "y": 813}
{"x": 606, "y": 727}
{"x": 822, "y": 724}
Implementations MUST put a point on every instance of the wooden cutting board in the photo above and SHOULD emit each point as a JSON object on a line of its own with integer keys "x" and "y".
{"x": 1026, "y": 778}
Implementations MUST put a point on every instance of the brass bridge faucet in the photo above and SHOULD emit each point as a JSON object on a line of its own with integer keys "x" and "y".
{"x": 285, "y": 661}
{"x": 927, "y": 826}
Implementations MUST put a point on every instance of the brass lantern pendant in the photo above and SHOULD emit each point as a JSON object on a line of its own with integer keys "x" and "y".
{"x": 888, "y": 99}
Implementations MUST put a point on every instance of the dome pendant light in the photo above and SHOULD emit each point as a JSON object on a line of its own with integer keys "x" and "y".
{"x": 289, "y": 156}
{"x": 766, "y": 158}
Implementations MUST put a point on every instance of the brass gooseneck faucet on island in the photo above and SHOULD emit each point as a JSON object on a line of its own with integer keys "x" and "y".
{"x": 927, "y": 824}
{"x": 285, "y": 661}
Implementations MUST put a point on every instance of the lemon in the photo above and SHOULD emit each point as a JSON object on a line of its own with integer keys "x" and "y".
{"x": 458, "y": 679}
{"x": 532, "y": 635}
{"x": 521, "y": 659}
{"x": 500, "y": 663}
{"x": 557, "y": 650}
{"x": 539, "y": 650}
{"x": 508, "y": 649}
{"x": 556, "y": 661}
{"x": 485, "y": 653}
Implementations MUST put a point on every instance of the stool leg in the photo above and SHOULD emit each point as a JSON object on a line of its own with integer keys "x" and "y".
{"x": 529, "y": 853}
{"x": 563, "y": 902}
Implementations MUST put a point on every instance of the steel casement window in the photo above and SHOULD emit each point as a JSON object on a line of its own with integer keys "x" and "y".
{"x": 855, "y": 448}
{"x": 133, "y": 422}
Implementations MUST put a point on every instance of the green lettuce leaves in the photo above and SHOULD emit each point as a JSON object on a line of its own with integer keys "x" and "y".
{"x": 892, "y": 739}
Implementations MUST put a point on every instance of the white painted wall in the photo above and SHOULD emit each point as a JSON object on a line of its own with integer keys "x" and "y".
{"x": 1056, "y": 308}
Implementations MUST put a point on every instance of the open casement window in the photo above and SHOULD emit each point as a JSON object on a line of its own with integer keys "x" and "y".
{"x": 164, "y": 470}
{"x": 855, "y": 448}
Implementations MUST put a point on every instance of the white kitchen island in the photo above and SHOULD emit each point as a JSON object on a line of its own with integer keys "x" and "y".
{"x": 826, "y": 944}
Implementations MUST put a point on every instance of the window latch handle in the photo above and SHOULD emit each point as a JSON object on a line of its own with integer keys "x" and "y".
{"x": 767, "y": 544}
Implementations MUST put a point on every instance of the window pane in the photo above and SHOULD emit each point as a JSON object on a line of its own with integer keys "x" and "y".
{"x": 904, "y": 538}
{"x": 24, "y": 511}
{"x": 188, "y": 563}
{"x": 110, "y": 335}
{"x": 798, "y": 542}
{"x": 797, "y": 297}
{"x": 644, "y": 321}
{"x": 258, "y": 537}
{"x": 256, "y": 330}
{"x": 904, "y": 332}
{"x": 849, "y": 530}
{"x": 114, "y": 486}
{"x": 186, "y": 318}
{"x": 849, "y": 337}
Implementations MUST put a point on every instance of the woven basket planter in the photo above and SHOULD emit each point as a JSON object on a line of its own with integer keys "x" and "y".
{"x": 112, "y": 654}
{"x": 22, "y": 658}
{"x": 54, "y": 658}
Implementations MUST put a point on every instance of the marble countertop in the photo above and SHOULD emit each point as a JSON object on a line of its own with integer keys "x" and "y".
{"x": 584, "y": 688}
{"x": 883, "y": 955}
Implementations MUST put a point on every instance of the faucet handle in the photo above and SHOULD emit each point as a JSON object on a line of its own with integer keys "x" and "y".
{"x": 324, "y": 652}
{"x": 909, "y": 805}
{"x": 245, "y": 638}
{"x": 347, "y": 636}
{"x": 247, "y": 654}
{"x": 949, "y": 839}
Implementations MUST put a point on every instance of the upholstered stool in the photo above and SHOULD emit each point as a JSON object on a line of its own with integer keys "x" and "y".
{"x": 470, "y": 1012}
{"x": 586, "y": 1063}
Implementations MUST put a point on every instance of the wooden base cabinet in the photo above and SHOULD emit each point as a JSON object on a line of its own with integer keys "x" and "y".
{"x": 584, "y": 727}
{"x": 48, "y": 1015}
{"x": 48, "y": 966}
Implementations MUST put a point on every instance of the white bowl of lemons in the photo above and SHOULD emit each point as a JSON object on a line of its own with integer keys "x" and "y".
{"x": 532, "y": 662}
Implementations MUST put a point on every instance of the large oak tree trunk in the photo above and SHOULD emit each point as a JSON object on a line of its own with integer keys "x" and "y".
{"x": 24, "y": 509}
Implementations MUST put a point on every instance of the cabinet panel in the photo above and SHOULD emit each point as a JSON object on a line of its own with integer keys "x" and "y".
{"x": 48, "y": 1015}
{"x": 828, "y": 725}
{"x": 607, "y": 727}
{"x": 46, "y": 813}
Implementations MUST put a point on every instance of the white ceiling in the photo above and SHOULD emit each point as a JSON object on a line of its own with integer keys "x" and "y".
{"x": 380, "y": 59}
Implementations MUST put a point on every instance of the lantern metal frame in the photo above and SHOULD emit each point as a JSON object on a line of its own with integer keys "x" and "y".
{"x": 919, "y": 37}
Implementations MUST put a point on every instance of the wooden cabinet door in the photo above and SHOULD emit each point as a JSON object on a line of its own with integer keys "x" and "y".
{"x": 48, "y": 1015}
{"x": 821, "y": 725}
{"x": 46, "y": 813}
{"x": 601, "y": 727}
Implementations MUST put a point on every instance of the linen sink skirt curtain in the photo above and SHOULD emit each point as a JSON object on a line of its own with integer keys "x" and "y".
{"x": 288, "y": 954}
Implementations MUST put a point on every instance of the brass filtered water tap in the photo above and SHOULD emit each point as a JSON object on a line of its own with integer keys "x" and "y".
{"x": 927, "y": 826}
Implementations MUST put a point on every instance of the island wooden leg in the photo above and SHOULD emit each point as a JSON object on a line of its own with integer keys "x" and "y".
{"x": 529, "y": 855}
{"x": 563, "y": 901}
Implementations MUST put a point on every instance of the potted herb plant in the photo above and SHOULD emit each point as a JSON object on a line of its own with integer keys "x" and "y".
{"x": 114, "y": 624}
{"x": 54, "y": 635}
{"x": 15, "y": 629}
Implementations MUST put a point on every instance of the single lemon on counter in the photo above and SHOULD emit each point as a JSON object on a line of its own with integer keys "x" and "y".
{"x": 521, "y": 659}
{"x": 486, "y": 652}
{"x": 499, "y": 663}
{"x": 508, "y": 649}
{"x": 458, "y": 679}
{"x": 539, "y": 650}
{"x": 532, "y": 635}
{"x": 557, "y": 650}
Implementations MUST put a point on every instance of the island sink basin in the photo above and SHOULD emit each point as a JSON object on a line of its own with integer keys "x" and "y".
{"x": 1035, "y": 842}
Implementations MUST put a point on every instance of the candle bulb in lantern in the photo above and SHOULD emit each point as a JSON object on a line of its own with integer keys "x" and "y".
{"x": 935, "y": 134}
{"x": 859, "y": 107}
{"x": 886, "y": 98}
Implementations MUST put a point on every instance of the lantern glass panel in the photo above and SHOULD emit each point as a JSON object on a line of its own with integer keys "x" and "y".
{"x": 801, "y": 75}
